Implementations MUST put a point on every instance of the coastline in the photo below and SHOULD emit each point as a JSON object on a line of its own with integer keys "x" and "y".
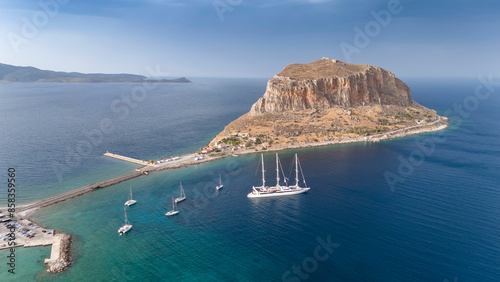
{"x": 440, "y": 123}
{"x": 25, "y": 211}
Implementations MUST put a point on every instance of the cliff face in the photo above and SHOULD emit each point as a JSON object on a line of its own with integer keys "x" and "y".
{"x": 327, "y": 83}
{"x": 326, "y": 101}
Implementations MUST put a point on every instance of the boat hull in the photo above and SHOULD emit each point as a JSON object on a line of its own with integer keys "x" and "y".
{"x": 180, "y": 199}
{"x": 124, "y": 229}
{"x": 130, "y": 202}
{"x": 277, "y": 193}
{"x": 172, "y": 213}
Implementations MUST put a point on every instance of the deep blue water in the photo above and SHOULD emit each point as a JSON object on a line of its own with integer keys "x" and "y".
{"x": 440, "y": 220}
{"x": 53, "y": 136}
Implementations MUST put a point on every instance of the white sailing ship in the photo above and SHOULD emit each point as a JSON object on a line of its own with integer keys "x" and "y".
{"x": 125, "y": 228}
{"x": 279, "y": 190}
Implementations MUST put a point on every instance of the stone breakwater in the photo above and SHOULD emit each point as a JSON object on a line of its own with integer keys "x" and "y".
{"x": 62, "y": 254}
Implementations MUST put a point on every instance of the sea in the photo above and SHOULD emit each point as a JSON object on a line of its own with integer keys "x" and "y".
{"x": 420, "y": 208}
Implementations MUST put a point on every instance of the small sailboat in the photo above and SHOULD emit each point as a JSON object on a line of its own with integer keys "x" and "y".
{"x": 125, "y": 228}
{"x": 220, "y": 183}
{"x": 182, "y": 197}
{"x": 174, "y": 210}
{"x": 130, "y": 201}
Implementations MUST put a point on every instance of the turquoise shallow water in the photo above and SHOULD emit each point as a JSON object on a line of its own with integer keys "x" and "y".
{"x": 441, "y": 222}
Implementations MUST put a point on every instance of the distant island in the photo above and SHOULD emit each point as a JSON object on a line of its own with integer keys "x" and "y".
{"x": 9, "y": 73}
{"x": 327, "y": 102}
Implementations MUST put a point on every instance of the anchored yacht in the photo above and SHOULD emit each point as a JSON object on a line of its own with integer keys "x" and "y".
{"x": 174, "y": 208}
{"x": 182, "y": 196}
{"x": 220, "y": 183}
{"x": 130, "y": 201}
{"x": 279, "y": 190}
{"x": 125, "y": 228}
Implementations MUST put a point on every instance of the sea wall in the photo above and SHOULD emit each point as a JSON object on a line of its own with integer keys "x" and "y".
{"x": 63, "y": 257}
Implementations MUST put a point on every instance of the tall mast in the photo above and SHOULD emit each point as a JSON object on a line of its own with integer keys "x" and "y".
{"x": 126, "y": 218}
{"x": 296, "y": 170}
{"x": 263, "y": 178}
{"x": 130, "y": 193}
{"x": 277, "y": 171}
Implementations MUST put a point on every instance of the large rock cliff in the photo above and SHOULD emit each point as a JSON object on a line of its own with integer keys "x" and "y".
{"x": 323, "y": 102}
{"x": 327, "y": 83}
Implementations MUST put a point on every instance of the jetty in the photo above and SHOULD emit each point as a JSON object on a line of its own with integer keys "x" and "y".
{"x": 54, "y": 251}
{"x": 127, "y": 159}
{"x": 60, "y": 255}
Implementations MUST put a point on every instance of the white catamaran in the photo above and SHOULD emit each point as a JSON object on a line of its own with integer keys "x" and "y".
{"x": 174, "y": 210}
{"x": 182, "y": 197}
{"x": 220, "y": 183}
{"x": 279, "y": 190}
{"x": 125, "y": 228}
{"x": 130, "y": 201}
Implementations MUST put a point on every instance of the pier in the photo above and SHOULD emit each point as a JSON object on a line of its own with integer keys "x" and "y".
{"x": 127, "y": 159}
{"x": 55, "y": 251}
{"x": 60, "y": 255}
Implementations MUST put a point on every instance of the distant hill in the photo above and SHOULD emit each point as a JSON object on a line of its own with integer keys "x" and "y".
{"x": 10, "y": 73}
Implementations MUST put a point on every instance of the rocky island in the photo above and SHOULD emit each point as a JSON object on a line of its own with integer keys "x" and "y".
{"x": 324, "y": 102}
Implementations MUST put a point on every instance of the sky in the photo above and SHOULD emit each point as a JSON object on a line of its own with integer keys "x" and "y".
{"x": 244, "y": 38}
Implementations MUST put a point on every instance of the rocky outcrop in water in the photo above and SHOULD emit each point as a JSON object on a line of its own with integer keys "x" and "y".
{"x": 327, "y": 83}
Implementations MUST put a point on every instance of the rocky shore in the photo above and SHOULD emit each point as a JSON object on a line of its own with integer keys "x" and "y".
{"x": 439, "y": 124}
